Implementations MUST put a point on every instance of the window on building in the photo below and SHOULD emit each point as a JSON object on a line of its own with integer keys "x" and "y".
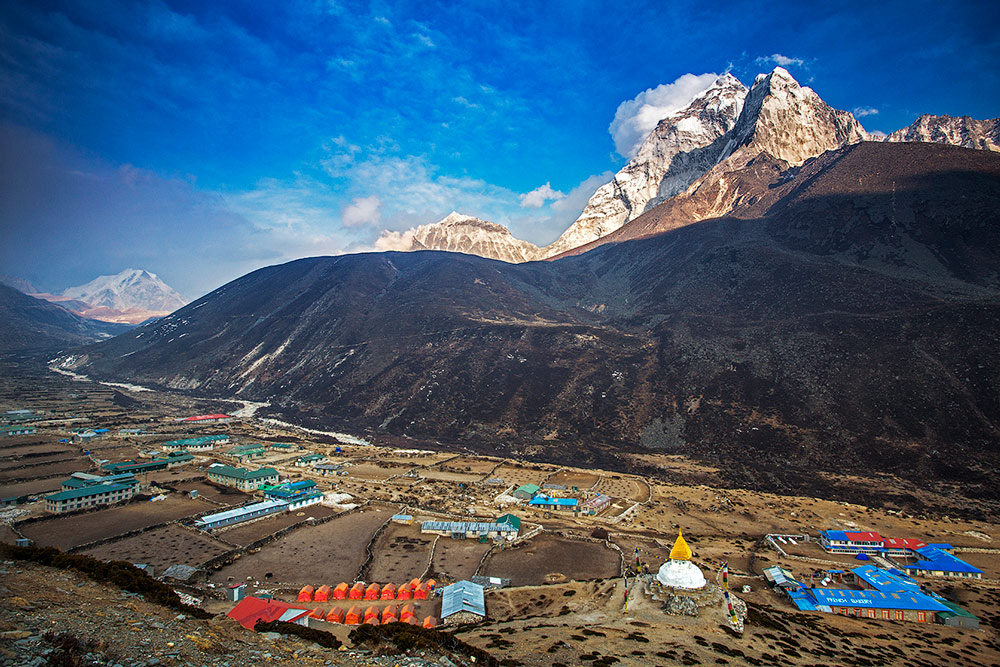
{"x": 899, "y": 615}
{"x": 885, "y": 614}
{"x": 922, "y": 616}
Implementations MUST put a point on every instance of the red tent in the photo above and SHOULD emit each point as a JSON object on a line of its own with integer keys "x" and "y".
{"x": 336, "y": 615}
{"x": 251, "y": 609}
{"x": 322, "y": 594}
{"x": 407, "y": 612}
{"x": 430, "y": 584}
{"x": 389, "y": 592}
{"x": 372, "y": 592}
{"x": 404, "y": 592}
{"x": 430, "y": 622}
{"x": 412, "y": 620}
{"x": 317, "y": 613}
{"x": 357, "y": 591}
{"x": 421, "y": 592}
{"x": 340, "y": 592}
{"x": 306, "y": 594}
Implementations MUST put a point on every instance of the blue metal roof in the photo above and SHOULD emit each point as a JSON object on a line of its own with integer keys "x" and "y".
{"x": 884, "y": 580}
{"x": 545, "y": 500}
{"x": 835, "y": 597}
{"x": 802, "y": 600}
{"x": 940, "y": 560}
{"x": 463, "y": 596}
{"x": 836, "y": 535}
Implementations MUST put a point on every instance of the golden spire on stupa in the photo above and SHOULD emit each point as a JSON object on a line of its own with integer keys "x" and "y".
{"x": 681, "y": 550}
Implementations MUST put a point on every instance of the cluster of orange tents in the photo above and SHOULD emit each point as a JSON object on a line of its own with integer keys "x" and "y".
{"x": 411, "y": 590}
{"x": 372, "y": 616}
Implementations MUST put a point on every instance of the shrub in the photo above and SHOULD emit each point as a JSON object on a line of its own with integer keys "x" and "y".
{"x": 118, "y": 573}
{"x": 406, "y": 637}
{"x": 324, "y": 639}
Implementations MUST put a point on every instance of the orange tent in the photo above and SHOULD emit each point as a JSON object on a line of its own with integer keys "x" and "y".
{"x": 389, "y": 592}
{"x": 322, "y": 593}
{"x": 357, "y": 591}
{"x": 336, "y": 615}
{"x": 317, "y": 613}
{"x": 306, "y": 594}
{"x": 372, "y": 592}
{"x": 406, "y": 612}
{"x": 430, "y": 622}
{"x": 430, "y": 583}
{"x": 371, "y": 616}
{"x": 389, "y": 614}
{"x": 421, "y": 592}
{"x": 412, "y": 620}
{"x": 404, "y": 592}
{"x": 340, "y": 592}
{"x": 353, "y": 616}
{"x": 414, "y": 583}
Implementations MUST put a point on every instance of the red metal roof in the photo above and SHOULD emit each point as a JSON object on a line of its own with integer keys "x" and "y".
{"x": 869, "y": 536}
{"x": 904, "y": 543}
{"x": 250, "y": 610}
{"x": 202, "y": 417}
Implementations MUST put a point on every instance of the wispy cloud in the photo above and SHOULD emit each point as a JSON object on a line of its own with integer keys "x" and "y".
{"x": 636, "y": 118}
{"x": 861, "y": 112}
{"x": 778, "y": 59}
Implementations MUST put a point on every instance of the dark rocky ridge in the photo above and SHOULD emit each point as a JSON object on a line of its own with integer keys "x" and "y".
{"x": 846, "y": 320}
{"x": 27, "y": 323}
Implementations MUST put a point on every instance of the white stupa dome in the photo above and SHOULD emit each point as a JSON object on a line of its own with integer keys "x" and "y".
{"x": 680, "y": 574}
{"x": 679, "y": 571}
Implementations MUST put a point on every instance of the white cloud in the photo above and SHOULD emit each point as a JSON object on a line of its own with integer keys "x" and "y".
{"x": 389, "y": 240}
{"x": 778, "y": 59}
{"x": 362, "y": 211}
{"x": 636, "y": 118}
{"x": 537, "y": 197}
{"x": 425, "y": 40}
{"x": 861, "y": 112}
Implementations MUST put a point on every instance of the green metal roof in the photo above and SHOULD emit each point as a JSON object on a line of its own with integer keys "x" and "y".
{"x": 240, "y": 473}
{"x": 510, "y": 519}
{"x": 529, "y": 488}
{"x": 87, "y": 491}
{"x": 194, "y": 442}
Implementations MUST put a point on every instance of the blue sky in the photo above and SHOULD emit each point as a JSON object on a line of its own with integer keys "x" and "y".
{"x": 203, "y": 140}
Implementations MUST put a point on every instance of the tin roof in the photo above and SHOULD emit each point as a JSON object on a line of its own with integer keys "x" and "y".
{"x": 546, "y": 500}
{"x": 463, "y": 596}
{"x": 240, "y": 511}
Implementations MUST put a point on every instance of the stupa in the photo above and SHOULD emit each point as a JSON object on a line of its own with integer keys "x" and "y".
{"x": 679, "y": 571}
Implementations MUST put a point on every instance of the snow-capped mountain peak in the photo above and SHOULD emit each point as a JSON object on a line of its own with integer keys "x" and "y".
{"x": 130, "y": 289}
{"x": 679, "y": 149}
{"x": 462, "y": 233}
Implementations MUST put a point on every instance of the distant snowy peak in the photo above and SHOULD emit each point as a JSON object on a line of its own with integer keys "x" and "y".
{"x": 679, "y": 149}
{"x": 464, "y": 234}
{"x": 130, "y": 289}
{"x": 955, "y": 130}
